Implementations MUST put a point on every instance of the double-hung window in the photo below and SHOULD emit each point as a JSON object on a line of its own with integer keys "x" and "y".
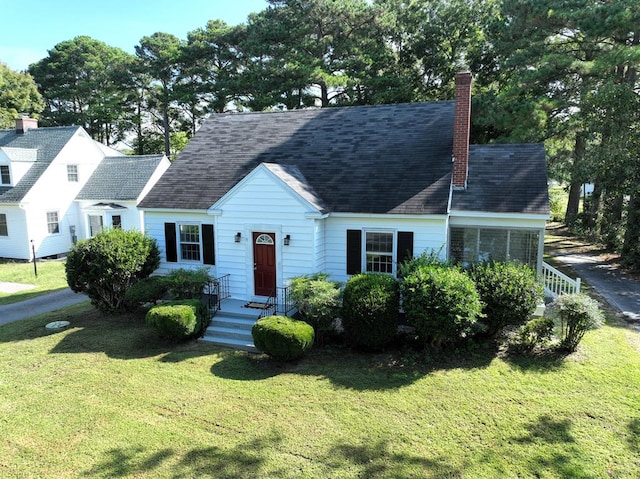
{"x": 5, "y": 175}
{"x": 378, "y": 251}
{"x": 53, "y": 225}
{"x": 189, "y": 242}
{"x": 72, "y": 173}
{"x": 4, "y": 230}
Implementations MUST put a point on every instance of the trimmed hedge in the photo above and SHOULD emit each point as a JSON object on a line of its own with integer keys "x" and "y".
{"x": 187, "y": 283}
{"x": 317, "y": 300}
{"x": 370, "y": 306}
{"x": 147, "y": 290}
{"x": 179, "y": 319}
{"x": 510, "y": 292}
{"x": 282, "y": 337}
{"x": 442, "y": 303}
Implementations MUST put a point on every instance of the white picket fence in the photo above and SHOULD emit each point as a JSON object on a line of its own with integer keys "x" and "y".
{"x": 557, "y": 283}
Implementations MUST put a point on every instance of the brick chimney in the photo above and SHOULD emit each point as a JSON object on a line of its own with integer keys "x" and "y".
{"x": 25, "y": 123}
{"x": 461, "y": 128}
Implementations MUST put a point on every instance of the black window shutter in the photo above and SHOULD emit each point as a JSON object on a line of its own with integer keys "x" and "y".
{"x": 208, "y": 247}
{"x": 171, "y": 248}
{"x": 354, "y": 251}
{"x": 405, "y": 246}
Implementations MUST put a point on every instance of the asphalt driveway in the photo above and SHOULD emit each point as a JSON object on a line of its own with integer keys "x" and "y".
{"x": 40, "y": 304}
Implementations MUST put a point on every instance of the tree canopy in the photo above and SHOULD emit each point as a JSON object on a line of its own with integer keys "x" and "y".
{"x": 562, "y": 73}
{"x": 18, "y": 95}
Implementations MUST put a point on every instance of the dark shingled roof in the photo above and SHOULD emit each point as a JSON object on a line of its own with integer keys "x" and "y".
{"x": 365, "y": 159}
{"x": 120, "y": 178}
{"x": 48, "y": 142}
{"x": 505, "y": 179}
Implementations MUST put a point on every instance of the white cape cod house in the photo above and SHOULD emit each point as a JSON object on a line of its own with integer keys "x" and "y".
{"x": 57, "y": 185}
{"x": 259, "y": 198}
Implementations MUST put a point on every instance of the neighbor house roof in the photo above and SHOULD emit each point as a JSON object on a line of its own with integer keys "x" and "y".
{"x": 120, "y": 178}
{"x": 505, "y": 178}
{"x": 47, "y": 141}
{"x": 365, "y": 159}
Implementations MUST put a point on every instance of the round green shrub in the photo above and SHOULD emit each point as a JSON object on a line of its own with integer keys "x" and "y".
{"x": 575, "y": 314}
{"x": 317, "y": 300}
{"x": 442, "y": 303}
{"x": 179, "y": 319}
{"x": 282, "y": 337}
{"x": 536, "y": 332}
{"x": 147, "y": 290}
{"x": 370, "y": 306}
{"x": 105, "y": 266}
{"x": 510, "y": 293}
{"x": 187, "y": 283}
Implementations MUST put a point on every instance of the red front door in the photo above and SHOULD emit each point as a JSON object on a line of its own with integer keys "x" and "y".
{"x": 264, "y": 263}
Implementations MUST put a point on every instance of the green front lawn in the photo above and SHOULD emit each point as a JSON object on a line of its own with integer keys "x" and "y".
{"x": 51, "y": 277}
{"x": 106, "y": 398}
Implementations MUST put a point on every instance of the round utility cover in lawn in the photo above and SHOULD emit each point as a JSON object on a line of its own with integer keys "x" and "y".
{"x": 57, "y": 325}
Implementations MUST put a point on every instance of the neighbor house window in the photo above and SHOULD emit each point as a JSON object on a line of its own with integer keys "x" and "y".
{"x": 379, "y": 252}
{"x": 116, "y": 221}
{"x": 469, "y": 245}
{"x": 72, "y": 173}
{"x": 190, "y": 242}
{"x": 53, "y": 226}
{"x": 4, "y": 231}
{"x": 95, "y": 225}
{"x": 5, "y": 175}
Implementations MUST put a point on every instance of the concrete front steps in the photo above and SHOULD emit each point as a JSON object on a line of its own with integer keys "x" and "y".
{"x": 231, "y": 326}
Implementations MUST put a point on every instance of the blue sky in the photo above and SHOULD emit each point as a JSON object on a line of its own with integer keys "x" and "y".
{"x": 29, "y": 28}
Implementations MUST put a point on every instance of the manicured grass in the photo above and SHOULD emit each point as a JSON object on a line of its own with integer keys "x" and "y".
{"x": 107, "y": 398}
{"x": 51, "y": 277}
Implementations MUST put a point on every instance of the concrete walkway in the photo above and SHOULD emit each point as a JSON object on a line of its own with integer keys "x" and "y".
{"x": 40, "y": 304}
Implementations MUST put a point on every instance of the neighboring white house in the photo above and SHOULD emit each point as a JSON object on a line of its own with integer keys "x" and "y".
{"x": 42, "y": 171}
{"x": 264, "y": 197}
{"x": 110, "y": 196}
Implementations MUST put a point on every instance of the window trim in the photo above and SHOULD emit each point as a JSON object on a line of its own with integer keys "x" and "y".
{"x": 6, "y": 168}
{"x": 50, "y": 222}
{"x": 119, "y": 225}
{"x": 72, "y": 176}
{"x": 6, "y": 226}
{"x": 181, "y": 257}
{"x": 391, "y": 254}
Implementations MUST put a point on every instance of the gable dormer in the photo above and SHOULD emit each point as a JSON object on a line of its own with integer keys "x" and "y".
{"x": 14, "y": 163}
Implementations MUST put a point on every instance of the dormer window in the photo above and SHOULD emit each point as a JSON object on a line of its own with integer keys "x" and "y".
{"x": 5, "y": 174}
{"x": 72, "y": 173}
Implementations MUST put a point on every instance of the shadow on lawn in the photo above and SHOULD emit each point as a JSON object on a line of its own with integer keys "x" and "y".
{"x": 119, "y": 336}
{"x": 244, "y": 460}
{"x": 561, "y": 459}
{"x": 249, "y": 459}
{"x": 352, "y": 369}
{"x": 634, "y": 435}
{"x": 376, "y": 460}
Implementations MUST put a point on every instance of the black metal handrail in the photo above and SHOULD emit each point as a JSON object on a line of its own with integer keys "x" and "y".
{"x": 217, "y": 290}
{"x": 279, "y": 301}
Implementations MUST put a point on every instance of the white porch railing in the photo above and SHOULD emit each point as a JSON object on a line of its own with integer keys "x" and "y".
{"x": 557, "y": 283}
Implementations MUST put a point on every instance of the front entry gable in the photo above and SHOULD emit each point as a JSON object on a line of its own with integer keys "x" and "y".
{"x": 272, "y": 188}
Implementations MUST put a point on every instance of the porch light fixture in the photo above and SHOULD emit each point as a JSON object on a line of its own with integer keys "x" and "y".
{"x": 287, "y": 240}
{"x": 237, "y": 237}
